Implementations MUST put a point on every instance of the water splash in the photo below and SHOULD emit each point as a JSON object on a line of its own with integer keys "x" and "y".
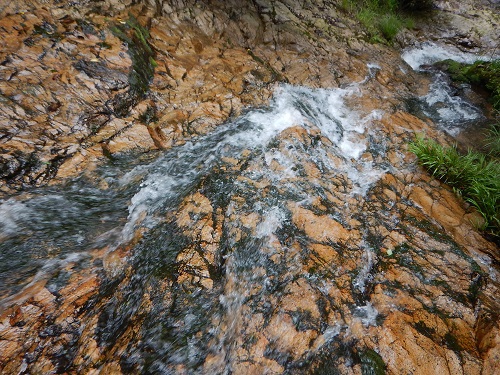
{"x": 336, "y": 138}
{"x": 175, "y": 173}
{"x": 11, "y": 212}
{"x": 367, "y": 314}
{"x": 272, "y": 221}
{"x": 364, "y": 275}
{"x": 428, "y": 53}
{"x": 452, "y": 112}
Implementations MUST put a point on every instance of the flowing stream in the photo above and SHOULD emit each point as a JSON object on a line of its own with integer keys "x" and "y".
{"x": 443, "y": 104}
{"x": 49, "y": 228}
{"x": 57, "y": 225}
{"x": 259, "y": 173}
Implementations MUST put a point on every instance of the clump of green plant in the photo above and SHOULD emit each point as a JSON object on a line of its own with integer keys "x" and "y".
{"x": 492, "y": 140}
{"x": 371, "y": 362}
{"x": 383, "y": 19}
{"x": 485, "y": 74}
{"x": 474, "y": 176}
{"x": 390, "y": 24}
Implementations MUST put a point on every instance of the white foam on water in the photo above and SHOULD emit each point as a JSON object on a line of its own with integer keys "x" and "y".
{"x": 347, "y": 130}
{"x": 325, "y": 109}
{"x": 351, "y": 147}
{"x": 287, "y": 166}
{"x": 284, "y": 115}
{"x": 273, "y": 219}
{"x": 365, "y": 272}
{"x": 429, "y": 53}
{"x": 11, "y": 211}
{"x": 331, "y": 332}
{"x": 451, "y": 112}
{"x": 367, "y": 314}
{"x": 159, "y": 186}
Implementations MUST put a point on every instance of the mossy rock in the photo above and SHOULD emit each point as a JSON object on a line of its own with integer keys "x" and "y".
{"x": 485, "y": 74}
{"x": 371, "y": 363}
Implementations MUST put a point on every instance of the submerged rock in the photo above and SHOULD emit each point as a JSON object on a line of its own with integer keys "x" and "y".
{"x": 297, "y": 238}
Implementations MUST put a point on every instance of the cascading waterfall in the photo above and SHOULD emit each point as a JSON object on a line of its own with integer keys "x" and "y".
{"x": 177, "y": 171}
{"x": 428, "y": 53}
{"x": 175, "y": 174}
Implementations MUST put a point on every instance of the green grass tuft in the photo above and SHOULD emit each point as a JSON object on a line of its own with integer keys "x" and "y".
{"x": 389, "y": 25}
{"x": 492, "y": 141}
{"x": 383, "y": 19}
{"x": 143, "y": 64}
{"x": 474, "y": 176}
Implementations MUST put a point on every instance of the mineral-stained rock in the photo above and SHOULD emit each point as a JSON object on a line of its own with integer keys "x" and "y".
{"x": 65, "y": 71}
{"x": 288, "y": 257}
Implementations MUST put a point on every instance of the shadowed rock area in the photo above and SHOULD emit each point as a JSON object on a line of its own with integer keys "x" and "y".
{"x": 222, "y": 187}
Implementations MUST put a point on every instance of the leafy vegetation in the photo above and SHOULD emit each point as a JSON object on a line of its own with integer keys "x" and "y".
{"x": 493, "y": 140}
{"x": 383, "y": 19}
{"x": 474, "y": 176}
{"x": 371, "y": 362}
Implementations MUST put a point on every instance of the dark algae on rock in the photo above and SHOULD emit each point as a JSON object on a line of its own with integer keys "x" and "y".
{"x": 141, "y": 72}
{"x": 230, "y": 192}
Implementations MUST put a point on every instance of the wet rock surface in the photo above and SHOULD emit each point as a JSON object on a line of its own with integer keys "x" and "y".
{"x": 470, "y": 25}
{"x": 319, "y": 248}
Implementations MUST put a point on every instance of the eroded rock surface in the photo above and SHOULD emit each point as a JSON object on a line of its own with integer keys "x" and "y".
{"x": 320, "y": 248}
{"x": 64, "y": 76}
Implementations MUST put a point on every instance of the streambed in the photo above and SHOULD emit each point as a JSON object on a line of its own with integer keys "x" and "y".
{"x": 291, "y": 239}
